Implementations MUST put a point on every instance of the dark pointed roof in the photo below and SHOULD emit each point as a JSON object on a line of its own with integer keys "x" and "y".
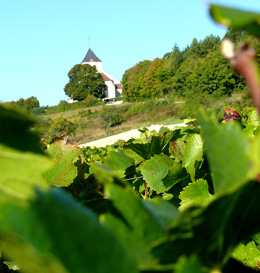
{"x": 91, "y": 57}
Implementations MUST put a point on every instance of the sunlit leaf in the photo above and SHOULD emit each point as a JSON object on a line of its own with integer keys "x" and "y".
{"x": 193, "y": 152}
{"x": 154, "y": 170}
{"x": 248, "y": 254}
{"x": 196, "y": 193}
{"x": 118, "y": 162}
{"x": 64, "y": 171}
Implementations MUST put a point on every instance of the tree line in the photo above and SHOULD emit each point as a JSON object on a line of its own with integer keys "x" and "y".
{"x": 199, "y": 68}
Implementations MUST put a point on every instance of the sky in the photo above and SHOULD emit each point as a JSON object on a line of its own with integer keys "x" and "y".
{"x": 40, "y": 41}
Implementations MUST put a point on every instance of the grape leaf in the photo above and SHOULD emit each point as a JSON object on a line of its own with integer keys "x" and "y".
{"x": 228, "y": 153}
{"x": 21, "y": 172}
{"x": 118, "y": 162}
{"x": 136, "y": 222}
{"x": 175, "y": 175}
{"x": 248, "y": 254}
{"x": 193, "y": 152}
{"x": 157, "y": 145}
{"x": 54, "y": 225}
{"x": 191, "y": 265}
{"x": 154, "y": 170}
{"x": 177, "y": 149}
{"x": 64, "y": 170}
{"x": 212, "y": 233}
{"x": 236, "y": 18}
{"x": 196, "y": 193}
{"x": 15, "y": 130}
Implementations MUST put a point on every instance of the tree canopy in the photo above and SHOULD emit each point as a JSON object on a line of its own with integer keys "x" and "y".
{"x": 29, "y": 104}
{"x": 200, "y": 66}
{"x": 84, "y": 80}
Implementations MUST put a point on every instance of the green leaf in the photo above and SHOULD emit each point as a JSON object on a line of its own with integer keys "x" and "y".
{"x": 212, "y": 233}
{"x": 193, "y": 152}
{"x": 196, "y": 193}
{"x": 157, "y": 145}
{"x": 54, "y": 225}
{"x": 191, "y": 265}
{"x": 21, "y": 172}
{"x": 136, "y": 222}
{"x": 252, "y": 117}
{"x": 30, "y": 260}
{"x": 228, "y": 153}
{"x": 118, "y": 162}
{"x": 248, "y": 254}
{"x": 154, "y": 170}
{"x": 15, "y": 130}
{"x": 254, "y": 155}
{"x": 175, "y": 175}
{"x": 177, "y": 149}
{"x": 256, "y": 238}
{"x": 236, "y": 18}
{"x": 64, "y": 171}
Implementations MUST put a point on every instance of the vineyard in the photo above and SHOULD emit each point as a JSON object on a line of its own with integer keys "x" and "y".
{"x": 180, "y": 200}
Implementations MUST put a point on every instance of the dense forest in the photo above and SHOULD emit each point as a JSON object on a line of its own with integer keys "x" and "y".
{"x": 199, "y": 69}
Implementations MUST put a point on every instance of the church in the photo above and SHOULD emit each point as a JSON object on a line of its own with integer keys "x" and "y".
{"x": 114, "y": 87}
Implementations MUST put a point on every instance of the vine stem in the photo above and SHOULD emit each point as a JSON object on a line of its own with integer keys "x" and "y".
{"x": 146, "y": 191}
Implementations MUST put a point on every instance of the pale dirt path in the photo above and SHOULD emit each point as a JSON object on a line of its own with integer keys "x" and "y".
{"x": 125, "y": 136}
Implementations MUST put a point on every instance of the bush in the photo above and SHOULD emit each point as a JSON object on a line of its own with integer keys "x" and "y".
{"x": 61, "y": 124}
{"x": 109, "y": 116}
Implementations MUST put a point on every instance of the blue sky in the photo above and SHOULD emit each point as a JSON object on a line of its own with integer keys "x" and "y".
{"x": 42, "y": 40}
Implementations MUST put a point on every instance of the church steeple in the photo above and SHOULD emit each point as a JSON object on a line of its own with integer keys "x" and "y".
{"x": 91, "y": 57}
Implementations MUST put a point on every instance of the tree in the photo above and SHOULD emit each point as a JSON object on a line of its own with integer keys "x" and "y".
{"x": 133, "y": 81}
{"x": 27, "y": 104}
{"x": 156, "y": 79}
{"x": 214, "y": 76}
{"x": 235, "y": 36}
{"x": 84, "y": 80}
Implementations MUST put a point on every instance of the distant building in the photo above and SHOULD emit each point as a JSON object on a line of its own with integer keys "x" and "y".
{"x": 114, "y": 87}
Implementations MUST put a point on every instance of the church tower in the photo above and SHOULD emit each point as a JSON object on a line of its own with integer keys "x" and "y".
{"x": 113, "y": 86}
{"x": 92, "y": 59}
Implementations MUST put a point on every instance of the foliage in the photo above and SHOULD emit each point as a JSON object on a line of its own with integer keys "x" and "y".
{"x": 181, "y": 200}
{"x": 109, "y": 116}
{"x": 61, "y": 124}
{"x": 199, "y": 66}
{"x": 29, "y": 105}
{"x": 132, "y": 81}
{"x": 84, "y": 80}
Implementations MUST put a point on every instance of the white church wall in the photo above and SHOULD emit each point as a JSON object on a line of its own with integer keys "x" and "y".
{"x": 111, "y": 90}
{"x": 98, "y": 65}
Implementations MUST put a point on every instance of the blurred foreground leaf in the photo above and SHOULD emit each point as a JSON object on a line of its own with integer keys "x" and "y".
{"x": 228, "y": 153}
{"x": 21, "y": 172}
{"x": 15, "y": 131}
{"x": 236, "y": 18}
{"x": 54, "y": 226}
{"x": 212, "y": 233}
